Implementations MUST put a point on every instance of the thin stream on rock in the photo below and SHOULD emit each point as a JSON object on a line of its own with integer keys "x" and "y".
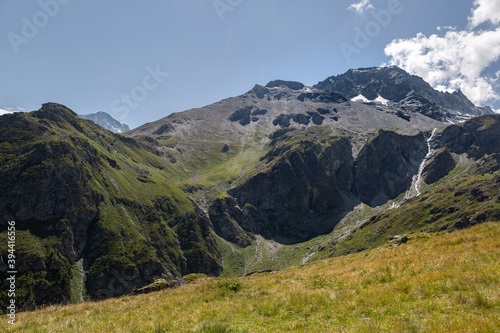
{"x": 414, "y": 190}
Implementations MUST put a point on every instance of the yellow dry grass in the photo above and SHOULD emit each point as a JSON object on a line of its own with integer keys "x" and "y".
{"x": 445, "y": 282}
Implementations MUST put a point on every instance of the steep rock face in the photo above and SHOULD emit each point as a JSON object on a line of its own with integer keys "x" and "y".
{"x": 476, "y": 137}
{"x": 302, "y": 193}
{"x": 197, "y": 242}
{"x": 386, "y": 164}
{"x": 75, "y": 197}
{"x": 311, "y": 182}
{"x": 225, "y": 217}
{"x": 439, "y": 166}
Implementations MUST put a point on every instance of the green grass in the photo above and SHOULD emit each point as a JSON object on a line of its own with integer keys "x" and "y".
{"x": 442, "y": 282}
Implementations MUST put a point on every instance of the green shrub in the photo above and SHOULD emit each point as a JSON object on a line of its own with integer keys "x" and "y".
{"x": 231, "y": 285}
{"x": 193, "y": 277}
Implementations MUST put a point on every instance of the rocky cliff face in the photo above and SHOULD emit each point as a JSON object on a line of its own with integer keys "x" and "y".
{"x": 439, "y": 166}
{"x": 303, "y": 191}
{"x": 386, "y": 164}
{"x": 228, "y": 220}
{"x": 476, "y": 137}
{"x": 312, "y": 182}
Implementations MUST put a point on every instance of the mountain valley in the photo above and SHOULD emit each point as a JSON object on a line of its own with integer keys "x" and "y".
{"x": 279, "y": 176}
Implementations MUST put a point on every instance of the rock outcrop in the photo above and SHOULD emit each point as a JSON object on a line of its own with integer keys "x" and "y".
{"x": 476, "y": 137}
{"x": 309, "y": 185}
{"x": 386, "y": 164}
{"x": 226, "y": 218}
{"x": 440, "y": 165}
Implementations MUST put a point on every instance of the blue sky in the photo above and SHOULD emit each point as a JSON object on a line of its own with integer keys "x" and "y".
{"x": 142, "y": 60}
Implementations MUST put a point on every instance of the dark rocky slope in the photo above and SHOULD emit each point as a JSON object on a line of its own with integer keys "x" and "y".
{"x": 304, "y": 189}
{"x": 312, "y": 180}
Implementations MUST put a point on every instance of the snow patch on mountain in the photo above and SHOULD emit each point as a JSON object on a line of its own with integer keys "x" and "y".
{"x": 9, "y": 110}
{"x": 381, "y": 100}
{"x": 2, "y": 112}
{"x": 360, "y": 98}
{"x": 363, "y": 99}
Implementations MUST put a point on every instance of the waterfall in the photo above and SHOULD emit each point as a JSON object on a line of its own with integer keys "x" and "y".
{"x": 414, "y": 190}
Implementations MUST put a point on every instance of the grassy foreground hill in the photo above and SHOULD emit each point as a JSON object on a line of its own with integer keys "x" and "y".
{"x": 440, "y": 282}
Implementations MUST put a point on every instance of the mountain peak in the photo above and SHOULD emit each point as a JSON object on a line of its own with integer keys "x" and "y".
{"x": 56, "y": 108}
{"x": 106, "y": 121}
{"x": 288, "y": 84}
{"x": 409, "y": 92}
{"x": 55, "y": 112}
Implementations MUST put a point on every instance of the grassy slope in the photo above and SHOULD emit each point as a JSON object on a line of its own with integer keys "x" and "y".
{"x": 197, "y": 156}
{"x": 444, "y": 282}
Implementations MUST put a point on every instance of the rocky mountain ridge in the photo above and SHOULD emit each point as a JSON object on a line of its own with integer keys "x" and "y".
{"x": 407, "y": 91}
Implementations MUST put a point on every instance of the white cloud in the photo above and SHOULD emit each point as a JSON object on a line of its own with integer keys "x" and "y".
{"x": 361, "y": 6}
{"x": 484, "y": 11}
{"x": 448, "y": 27}
{"x": 455, "y": 59}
